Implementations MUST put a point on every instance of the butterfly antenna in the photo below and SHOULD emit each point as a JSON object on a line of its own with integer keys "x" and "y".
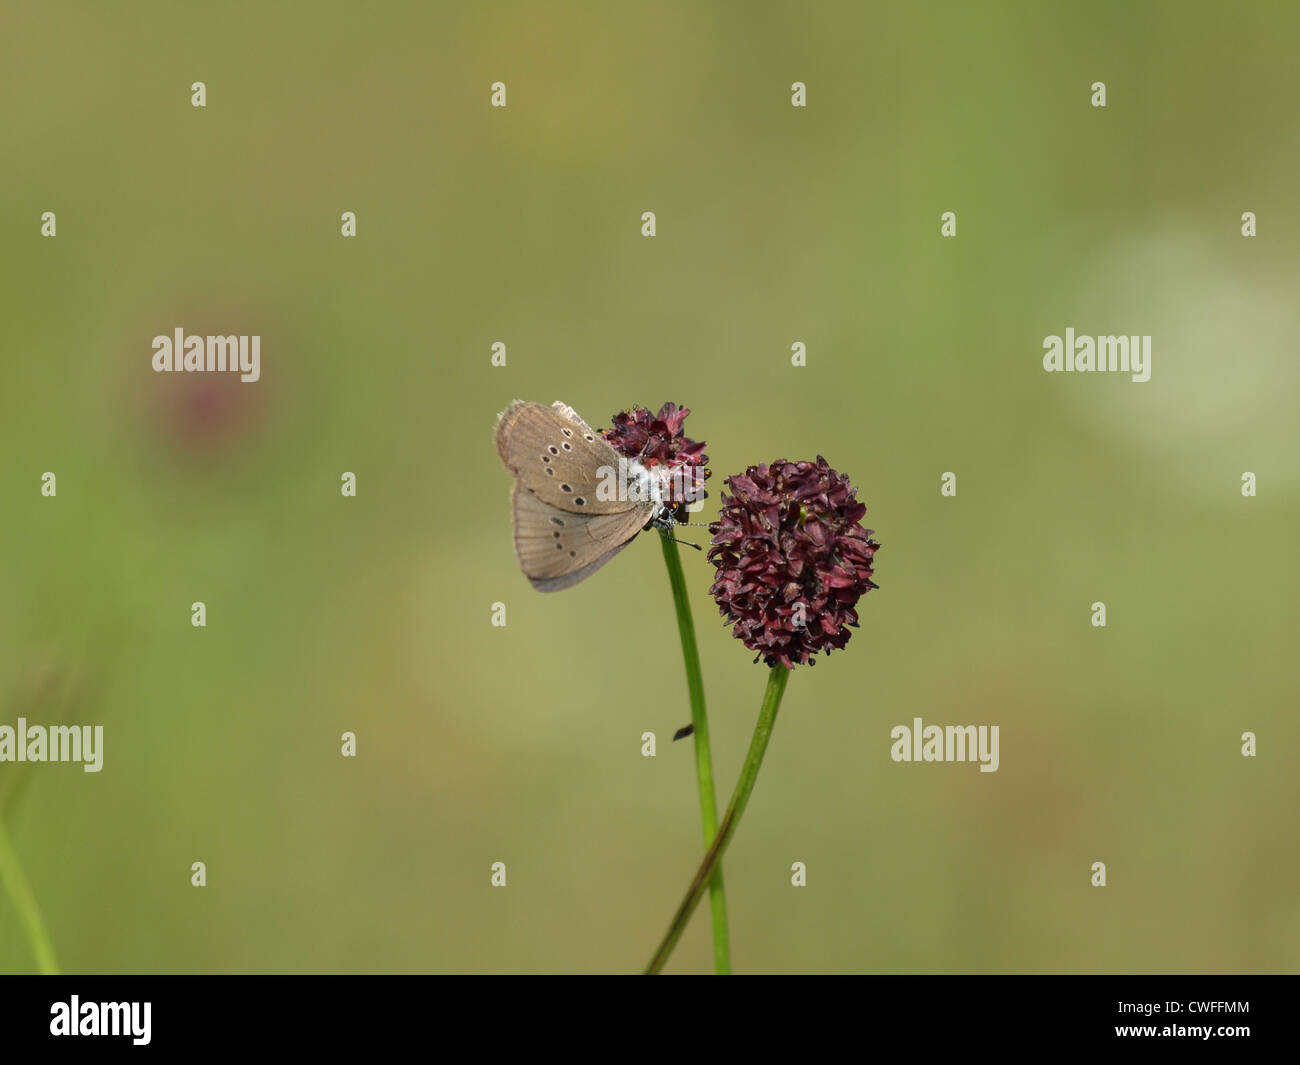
{"x": 667, "y": 535}
{"x": 664, "y": 523}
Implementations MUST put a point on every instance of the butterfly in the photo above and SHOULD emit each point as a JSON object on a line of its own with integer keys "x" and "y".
{"x": 577, "y": 502}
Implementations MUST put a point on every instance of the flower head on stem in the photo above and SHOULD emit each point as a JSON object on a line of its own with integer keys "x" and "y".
{"x": 659, "y": 443}
{"x": 792, "y": 559}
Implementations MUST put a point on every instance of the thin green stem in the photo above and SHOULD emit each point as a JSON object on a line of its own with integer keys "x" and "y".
{"x": 29, "y": 913}
{"x": 776, "y": 680}
{"x": 703, "y": 757}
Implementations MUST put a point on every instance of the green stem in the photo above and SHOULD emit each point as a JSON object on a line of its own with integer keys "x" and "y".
{"x": 29, "y": 913}
{"x": 776, "y": 680}
{"x": 703, "y": 758}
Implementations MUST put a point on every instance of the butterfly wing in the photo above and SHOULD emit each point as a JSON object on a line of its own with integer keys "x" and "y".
{"x": 559, "y": 458}
{"x": 558, "y": 548}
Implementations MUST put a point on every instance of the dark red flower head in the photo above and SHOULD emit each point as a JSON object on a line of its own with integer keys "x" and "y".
{"x": 658, "y": 443}
{"x": 792, "y": 559}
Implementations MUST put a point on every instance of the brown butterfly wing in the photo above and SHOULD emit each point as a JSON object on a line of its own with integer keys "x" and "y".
{"x": 557, "y": 457}
{"x": 558, "y": 548}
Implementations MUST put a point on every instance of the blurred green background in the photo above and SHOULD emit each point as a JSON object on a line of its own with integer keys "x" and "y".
{"x": 775, "y": 225}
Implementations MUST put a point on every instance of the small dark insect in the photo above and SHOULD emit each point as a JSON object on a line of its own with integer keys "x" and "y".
{"x": 683, "y": 732}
